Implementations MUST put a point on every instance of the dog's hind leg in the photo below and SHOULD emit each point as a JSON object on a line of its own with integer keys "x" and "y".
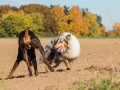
{"x": 27, "y": 62}
{"x": 14, "y": 68}
{"x": 34, "y": 62}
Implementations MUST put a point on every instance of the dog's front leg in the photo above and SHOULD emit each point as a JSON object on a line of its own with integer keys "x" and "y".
{"x": 37, "y": 45}
{"x": 67, "y": 64}
{"x": 27, "y": 62}
{"x": 41, "y": 50}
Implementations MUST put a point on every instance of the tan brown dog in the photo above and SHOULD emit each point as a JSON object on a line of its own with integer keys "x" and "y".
{"x": 28, "y": 42}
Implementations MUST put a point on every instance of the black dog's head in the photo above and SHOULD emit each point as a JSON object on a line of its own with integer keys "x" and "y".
{"x": 27, "y": 39}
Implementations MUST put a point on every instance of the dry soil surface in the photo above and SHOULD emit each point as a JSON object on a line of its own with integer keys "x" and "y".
{"x": 98, "y": 58}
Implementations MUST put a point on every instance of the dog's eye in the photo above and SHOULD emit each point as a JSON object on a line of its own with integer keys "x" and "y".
{"x": 60, "y": 41}
{"x": 48, "y": 46}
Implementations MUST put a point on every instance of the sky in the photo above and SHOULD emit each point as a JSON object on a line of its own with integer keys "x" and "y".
{"x": 107, "y": 9}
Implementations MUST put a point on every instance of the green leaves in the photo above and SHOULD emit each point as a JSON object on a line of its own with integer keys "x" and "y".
{"x": 49, "y": 21}
{"x": 14, "y": 22}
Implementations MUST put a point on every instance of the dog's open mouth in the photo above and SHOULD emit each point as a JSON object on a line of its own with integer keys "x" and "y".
{"x": 59, "y": 48}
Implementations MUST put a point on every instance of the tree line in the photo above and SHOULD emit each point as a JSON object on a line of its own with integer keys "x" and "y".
{"x": 52, "y": 20}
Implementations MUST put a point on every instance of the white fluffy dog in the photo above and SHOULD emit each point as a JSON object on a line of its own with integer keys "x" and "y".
{"x": 65, "y": 48}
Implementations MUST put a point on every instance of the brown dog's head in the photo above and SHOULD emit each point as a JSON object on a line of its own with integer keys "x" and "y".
{"x": 62, "y": 43}
{"x": 26, "y": 39}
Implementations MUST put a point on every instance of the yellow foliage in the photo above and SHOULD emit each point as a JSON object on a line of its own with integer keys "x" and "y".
{"x": 94, "y": 27}
{"x": 73, "y": 22}
{"x": 61, "y": 19}
{"x": 78, "y": 24}
{"x": 117, "y": 28}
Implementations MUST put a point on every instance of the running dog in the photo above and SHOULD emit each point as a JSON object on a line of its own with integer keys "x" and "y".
{"x": 65, "y": 48}
{"x": 28, "y": 42}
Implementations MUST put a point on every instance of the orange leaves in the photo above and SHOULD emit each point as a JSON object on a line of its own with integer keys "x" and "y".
{"x": 61, "y": 19}
{"x": 58, "y": 12}
{"x": 78, "y": 25}
{"x": 115, "y": 31}
{"x": 75, "y": 13}
{"x": 57, "y": 20}
{"x": 117, "y": 28}
{"x": 73, "y": 22}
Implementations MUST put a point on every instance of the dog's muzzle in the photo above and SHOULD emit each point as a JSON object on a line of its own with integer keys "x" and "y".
{"x": 59, "y": 48}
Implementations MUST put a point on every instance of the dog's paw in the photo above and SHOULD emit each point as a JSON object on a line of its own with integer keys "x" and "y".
{"x": 68, "y": 69}
{"x": 52, "y": 69}
{"x": 9, "y": 78}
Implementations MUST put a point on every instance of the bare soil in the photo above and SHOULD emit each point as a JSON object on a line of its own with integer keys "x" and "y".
{"x": 98, "y": 58}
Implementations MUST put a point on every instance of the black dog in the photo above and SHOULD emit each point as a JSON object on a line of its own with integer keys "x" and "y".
{"x": 28, "y": 42}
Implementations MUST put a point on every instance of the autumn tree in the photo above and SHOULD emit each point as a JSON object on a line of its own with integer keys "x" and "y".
{"x": 77, "y": 23}
{"x": 49, "y": 21}
{"x": 14, "y": 8}
{"x": 14, "y": 22}
{"x": 103, "y": 32}
{"x": 111, "y": 33}
{"x": 61, "y": 19}
{"x": 98, "y": 17}
{"x": 115, "y": 31}
{"x": 4, "y": 9}
{"x": 94, "y": 27}
{"x": 2, "y": 31}
{"x": 116, "y": 28}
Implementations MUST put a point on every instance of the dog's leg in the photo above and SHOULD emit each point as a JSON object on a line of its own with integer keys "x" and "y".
{"x": 34, "y": 62}
{"x": 27, "y": 62}
{"x": 55, "y": 57}
{"x": 35, "y": 66}
{"x": 36, "y": 44}
{"x": 67, "y": 64}
{"x": 41, "y": 50}
{"x": 13, "y": 69}
{"x": 57, "y": 62}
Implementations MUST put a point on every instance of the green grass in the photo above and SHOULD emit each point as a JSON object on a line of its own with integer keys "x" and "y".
{"x": 2, "y": 86}
{"x": 111, "y": 83}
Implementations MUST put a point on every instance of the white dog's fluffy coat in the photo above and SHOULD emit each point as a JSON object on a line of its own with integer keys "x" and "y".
{"x": 73, "y": 46}
{"x": 66, "y": 53}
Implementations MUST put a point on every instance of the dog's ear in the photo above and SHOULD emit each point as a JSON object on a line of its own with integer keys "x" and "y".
{"x": 26, "y": 39}
{"x": 26, "y": 34}
{"x": 68, "y": 37}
